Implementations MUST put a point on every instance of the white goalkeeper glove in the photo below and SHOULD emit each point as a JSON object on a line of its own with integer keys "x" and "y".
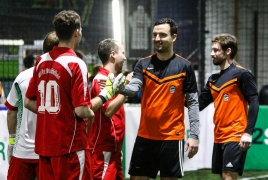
{"x": 10, "y": 147}
{"x": 111, "y": 86}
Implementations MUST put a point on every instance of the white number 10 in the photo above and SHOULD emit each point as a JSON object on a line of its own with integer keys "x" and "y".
{"x": 51, "y": 102}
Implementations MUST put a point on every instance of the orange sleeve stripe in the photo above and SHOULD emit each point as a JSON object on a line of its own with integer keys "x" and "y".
{"x": 183, "y": 58}
{"x": 239, "y": 66}
{"x": 146, "y": 57}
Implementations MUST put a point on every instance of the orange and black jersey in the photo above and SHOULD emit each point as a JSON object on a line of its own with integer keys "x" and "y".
{"x": 164, "y": 84}
{"x": 231, "y": 90}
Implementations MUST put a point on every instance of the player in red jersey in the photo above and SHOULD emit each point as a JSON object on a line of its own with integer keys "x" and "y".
{"x": 58, "y": 93}
{"x": 107, "y": 132}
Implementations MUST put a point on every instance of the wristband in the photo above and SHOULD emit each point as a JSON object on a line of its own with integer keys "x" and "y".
{"x": 246, "y": 138}
{"x": 102, "y": 98}
{"x": 12, "y": 139}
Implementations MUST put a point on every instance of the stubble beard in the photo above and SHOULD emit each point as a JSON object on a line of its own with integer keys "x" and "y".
{"x": 159, "y": 49}
{"x": 218, "y": 63}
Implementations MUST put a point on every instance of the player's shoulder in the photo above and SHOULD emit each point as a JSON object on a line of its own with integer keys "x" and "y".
{"x": 24, "y": 74}
{"x": 182, "y": 59}
{"x": 147, "y": 57}
{"x": 242, "y": 71}
{"x": 100, "y": 76}
{"x": 240, "y": 68}
{"x": 183, "y": 63}
{"x": 69, "y": 59}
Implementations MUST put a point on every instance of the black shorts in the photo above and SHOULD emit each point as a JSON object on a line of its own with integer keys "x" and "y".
{"x": 227, "y": 156}
{"x": 151, "y": 156}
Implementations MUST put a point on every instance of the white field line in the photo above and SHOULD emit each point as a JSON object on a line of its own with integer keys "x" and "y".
{"x": 257, "y": 177}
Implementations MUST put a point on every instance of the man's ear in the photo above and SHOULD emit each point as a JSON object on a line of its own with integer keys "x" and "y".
{"x": 76, "y": 33}
{"x": 228, "y": 51}
{"x": 174, "y": 37}
{"x": 112, "y": 55}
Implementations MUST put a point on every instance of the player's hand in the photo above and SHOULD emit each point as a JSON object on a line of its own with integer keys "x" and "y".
{"x": 129, "y": 77}
{"x": 192, "y": 147}
{"x": 122, "y": 82}
{"x": 9, "y": 152}
{"x": 102, "y": 83}
{"x": 245, "y": 141}
{"x": 91, "y": 117}
{"x": 111, "y": 86}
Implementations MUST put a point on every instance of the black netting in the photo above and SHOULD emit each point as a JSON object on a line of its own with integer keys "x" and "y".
{"x": 32, "y": 20}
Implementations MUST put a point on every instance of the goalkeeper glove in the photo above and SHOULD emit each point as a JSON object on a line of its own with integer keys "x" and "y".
{"x": 10, "y": 147}
{"x": 121, "y": 84}
{"x": 111, "y": 86}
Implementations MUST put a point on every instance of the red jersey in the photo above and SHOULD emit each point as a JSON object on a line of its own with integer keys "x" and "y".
{"x": 106, "y": 134}
{"x": 59, "y": 84}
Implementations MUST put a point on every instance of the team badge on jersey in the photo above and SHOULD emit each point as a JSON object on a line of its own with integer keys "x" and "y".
{"x": 172, "y": 89}
{"x": 226, "y": 97}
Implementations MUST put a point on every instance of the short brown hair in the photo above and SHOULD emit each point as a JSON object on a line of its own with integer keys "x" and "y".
{"x": 226, "y": 41}
{"x": 65, "y": 23}
{"x": 50, "y": 41}
{"x": 105, "y": 48}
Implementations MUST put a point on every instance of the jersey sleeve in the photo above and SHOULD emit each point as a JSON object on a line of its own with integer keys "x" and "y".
{"x": 31, "y": 90}
{"x": 134, "y": 86}
{"x": 138, "y": 74}
{"x": 12, "y": 98}
{"x": 248, "y": 87}
{"x": 79, "y": 92}
{"x": 205, "y": 97}
{"x": 190, "y": 84}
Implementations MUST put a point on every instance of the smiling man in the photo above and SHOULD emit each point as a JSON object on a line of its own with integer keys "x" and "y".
{"x": 166, "y": 80}
{"x": 232, "y": 90}
{"x": 106, "y": 134}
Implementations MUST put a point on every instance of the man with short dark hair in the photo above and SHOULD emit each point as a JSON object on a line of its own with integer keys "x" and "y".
{"x": 166, "y": 80}
{"x": 28, "y": 61}
{"x": 58, "y": 93}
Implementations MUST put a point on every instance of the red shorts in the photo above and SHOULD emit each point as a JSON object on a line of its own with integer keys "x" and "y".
{"x": 22, "y": 169}
{"x": 107, "y": 165}
{"x": 72, "y": 166}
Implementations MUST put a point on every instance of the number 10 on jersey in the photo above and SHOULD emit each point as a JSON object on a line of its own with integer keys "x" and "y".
{"x": 49, "y": 94}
